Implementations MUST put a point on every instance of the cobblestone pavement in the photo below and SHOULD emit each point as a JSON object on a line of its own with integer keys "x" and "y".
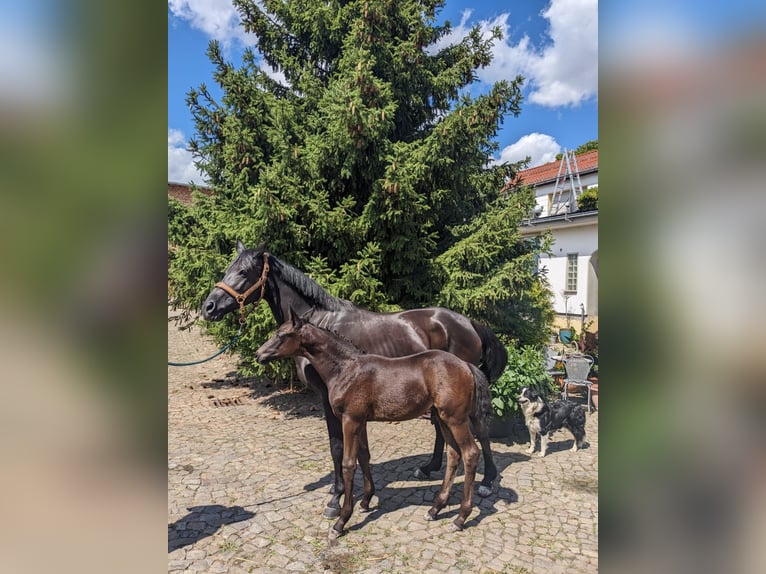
{"x": 249, "y": 474}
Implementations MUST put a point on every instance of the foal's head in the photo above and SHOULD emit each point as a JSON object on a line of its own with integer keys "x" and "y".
{"x": 286, "y": 342}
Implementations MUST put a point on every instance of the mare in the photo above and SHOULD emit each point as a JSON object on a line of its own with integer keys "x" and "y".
{"x": 362, "y": 387}
{"x": 255, "y": 274}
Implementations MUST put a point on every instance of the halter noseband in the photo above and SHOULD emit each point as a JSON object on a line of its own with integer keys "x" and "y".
{"x": 242, "y": 297}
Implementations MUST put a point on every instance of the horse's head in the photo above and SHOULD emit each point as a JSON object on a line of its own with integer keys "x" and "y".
{"x": 287, "y": 341}
{"x": 243, "y": 282}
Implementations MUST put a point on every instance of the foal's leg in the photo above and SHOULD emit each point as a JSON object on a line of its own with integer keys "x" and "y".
{"x": 470, "y": 455}
{"x": 490, "y": 470}
{"x": 424, "y": 472}
{"x": 351, "y": 431}
{"x": 453, "y": 458}
{"x": 363, "y": 456}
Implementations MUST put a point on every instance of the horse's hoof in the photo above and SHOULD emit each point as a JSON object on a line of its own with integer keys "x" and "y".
{"x": 330, "y": 512}
{"x": 420, "y": 475}
{"x": 457, "y": 526}
{"x": 430, "y": 515}
{"x": 484, "y": 491}
{"x": 333, "y": 534}
{"x": 365, "y": 506}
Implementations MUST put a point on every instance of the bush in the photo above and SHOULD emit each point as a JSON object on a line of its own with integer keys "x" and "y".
{"x": 588, "y": 200}
{"x": 526, "y": 368}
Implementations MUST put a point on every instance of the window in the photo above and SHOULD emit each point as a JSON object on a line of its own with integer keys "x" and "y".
{"x": 572, "y": 272}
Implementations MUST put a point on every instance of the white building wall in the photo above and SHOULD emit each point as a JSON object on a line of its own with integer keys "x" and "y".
{"x": 584, "y": 242}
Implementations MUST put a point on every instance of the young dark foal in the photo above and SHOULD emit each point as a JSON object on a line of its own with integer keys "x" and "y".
{"x": 365, "y": 388}
{"x": 256, "y": 274}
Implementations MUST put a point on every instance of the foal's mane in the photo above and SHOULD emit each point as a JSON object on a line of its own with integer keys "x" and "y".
{"x": 311, "y": 290}
{"x": 342, "y": 340}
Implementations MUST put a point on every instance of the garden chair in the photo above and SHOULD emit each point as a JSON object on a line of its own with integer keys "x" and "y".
{"x": 577, "y": 369}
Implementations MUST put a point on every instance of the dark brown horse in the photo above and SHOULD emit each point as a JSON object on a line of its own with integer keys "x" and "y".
{"x": 362, "y": 387}
{"x": 256, "y": 274}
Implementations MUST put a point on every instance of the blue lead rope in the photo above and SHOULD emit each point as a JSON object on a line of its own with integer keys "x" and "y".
{"x": 229, "y": 344}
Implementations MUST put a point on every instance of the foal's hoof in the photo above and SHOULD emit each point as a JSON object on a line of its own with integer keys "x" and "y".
{"x": 484, "y": 491}
{"x": 330, "y": 512}
{"x": 333, "y": 534}
{"x": 420, "y": 475}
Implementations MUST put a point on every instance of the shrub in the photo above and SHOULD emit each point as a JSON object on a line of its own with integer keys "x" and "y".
{"x": 526, "y": 368}
{"x": 588, "y": 200}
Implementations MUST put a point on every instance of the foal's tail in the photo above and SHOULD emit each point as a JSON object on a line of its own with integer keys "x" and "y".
{"x": 482, "y": 401}
{"x": 494, "y": 357}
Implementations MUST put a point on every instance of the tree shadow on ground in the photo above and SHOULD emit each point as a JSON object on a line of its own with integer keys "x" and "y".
{"x": 299, "y": 402}
{"x": 203, "y": 521}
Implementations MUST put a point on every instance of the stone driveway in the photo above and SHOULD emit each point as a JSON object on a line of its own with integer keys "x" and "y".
{"x": 249, "y": 473}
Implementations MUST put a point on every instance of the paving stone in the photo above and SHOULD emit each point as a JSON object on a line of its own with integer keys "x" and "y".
{"x": 247, "y": 486}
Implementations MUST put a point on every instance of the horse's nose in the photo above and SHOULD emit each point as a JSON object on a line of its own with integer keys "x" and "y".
{"x": 209, "y": 307}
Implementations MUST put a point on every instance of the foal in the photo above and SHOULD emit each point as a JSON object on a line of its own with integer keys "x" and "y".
{"x": 365, "y": 388}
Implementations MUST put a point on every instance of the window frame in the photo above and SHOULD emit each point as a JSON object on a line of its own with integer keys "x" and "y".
{"x": 572, "y": 272}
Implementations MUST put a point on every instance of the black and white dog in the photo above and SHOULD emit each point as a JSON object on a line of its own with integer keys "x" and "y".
{"x": 544, "y": 418}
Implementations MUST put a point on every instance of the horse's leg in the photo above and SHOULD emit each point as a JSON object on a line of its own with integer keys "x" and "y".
{"x": 470, "y": 455}
{"x": 424, "y": 472}
{"x": 351, "y": 430}
{"x": 453, "y": 458}
{"x": 490, "y": 470}
{"x": 363, "y": 456}
{"x": 335, "y": 432}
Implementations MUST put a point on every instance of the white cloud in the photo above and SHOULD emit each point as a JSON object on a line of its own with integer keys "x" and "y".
{"x": 181, "y": 168}
{"x": 218, "y": 19}
{"x": 567, "y": 70}
{"x": 542, "y": 148}
{"x": 564, "y": 72}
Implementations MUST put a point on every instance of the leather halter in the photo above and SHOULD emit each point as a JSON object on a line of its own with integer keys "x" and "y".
{"x": 241, "y": 298}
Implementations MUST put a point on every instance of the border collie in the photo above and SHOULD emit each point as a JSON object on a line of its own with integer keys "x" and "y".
{"x": 544, "y": 418}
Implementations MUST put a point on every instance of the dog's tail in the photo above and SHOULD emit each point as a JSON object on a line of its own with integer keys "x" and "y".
{"x": 482, "y": 400}
{"x": 577, "y": 421}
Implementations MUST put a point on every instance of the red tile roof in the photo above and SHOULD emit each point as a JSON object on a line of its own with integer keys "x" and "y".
{"x": 586, "y": 162}
{"x": 182, "y": 191}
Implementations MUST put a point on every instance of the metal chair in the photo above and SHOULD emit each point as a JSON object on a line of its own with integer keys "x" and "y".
{"x": 577, "y": 369}
{"x": 553, "y": 358}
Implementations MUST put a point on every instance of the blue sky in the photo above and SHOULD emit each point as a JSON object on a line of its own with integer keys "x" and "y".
{"x": 552, "y": 43}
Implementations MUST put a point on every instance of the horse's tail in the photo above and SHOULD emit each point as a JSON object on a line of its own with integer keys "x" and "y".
{"x": 494, "y": 357}
{"x": 482, "y": 400}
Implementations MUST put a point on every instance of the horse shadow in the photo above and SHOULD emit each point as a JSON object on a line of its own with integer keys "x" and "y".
{"x": 419, "y": 492}
{"x": 203, "y": 521}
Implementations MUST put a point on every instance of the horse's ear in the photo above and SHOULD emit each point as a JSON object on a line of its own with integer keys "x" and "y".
{"x": 240, "y": 247}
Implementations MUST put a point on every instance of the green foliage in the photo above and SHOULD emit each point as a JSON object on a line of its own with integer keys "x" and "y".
{"x": 526, "y": 368}
{"x": 588, "y": 200}
{"x": 367, "y": 169}
{"x": 586, "y": 147}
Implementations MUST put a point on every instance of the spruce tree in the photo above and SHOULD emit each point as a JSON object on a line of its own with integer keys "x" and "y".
{"x": 367, "y": 168}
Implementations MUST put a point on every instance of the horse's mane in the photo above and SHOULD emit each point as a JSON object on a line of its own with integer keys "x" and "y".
{"x": 308, "y": 288}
